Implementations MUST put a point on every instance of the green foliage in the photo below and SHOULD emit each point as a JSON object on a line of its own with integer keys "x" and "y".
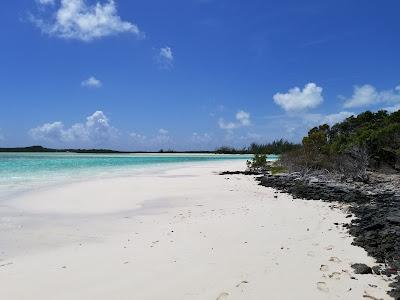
{"x": 231, "y": 150}
{"x": 351, "y": 143}
{"x": 259, "y": 161}
{"x": 276, "y": 147}
{"x": 278, "y": 169}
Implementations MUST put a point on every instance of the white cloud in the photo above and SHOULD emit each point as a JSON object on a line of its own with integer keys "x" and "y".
{"x": 298, "y": 100}
{"x": 226, "y": 125}
{"x": 95, "y": 130}
{"x": 165, "y": 58}
{"x": 50, "y": 131}
{"x": 330, "y": 119}
{"x": 242, "y": 117}
{"x": 92, "y": 82}
{"x": 392, "y": 108}
{"x": 76, "y": 19}
{"x": 46, "y": 2}
{"x": 362, "y": 96}
{"x": 367, "y": 94}
{"x": 336, "y": 118}
{"x": 163, "y": 131}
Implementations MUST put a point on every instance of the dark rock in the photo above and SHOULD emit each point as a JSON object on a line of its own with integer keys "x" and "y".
{"x": 377, "y": 270}
{"x": 361, "y": 269}
{"x": 241, "y": 173}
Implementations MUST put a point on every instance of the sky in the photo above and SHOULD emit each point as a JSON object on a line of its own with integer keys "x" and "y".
{"x": 191, "y": 74}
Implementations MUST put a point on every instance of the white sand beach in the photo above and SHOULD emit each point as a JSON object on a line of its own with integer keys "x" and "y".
{"x": 184, "y": 233}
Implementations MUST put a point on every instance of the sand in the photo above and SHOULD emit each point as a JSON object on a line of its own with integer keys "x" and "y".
{"x": 182, "y": 233}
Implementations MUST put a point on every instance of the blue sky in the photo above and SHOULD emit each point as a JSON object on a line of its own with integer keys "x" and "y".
{"x": 191, "y": 74}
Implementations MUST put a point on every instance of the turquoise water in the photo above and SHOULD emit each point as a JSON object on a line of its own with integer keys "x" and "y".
{"x": 21, "y": 171}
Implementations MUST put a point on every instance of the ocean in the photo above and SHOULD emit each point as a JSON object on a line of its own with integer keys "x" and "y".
{"x": 24, "y": 171}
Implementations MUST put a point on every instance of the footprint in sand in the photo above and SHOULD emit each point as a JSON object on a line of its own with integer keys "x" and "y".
{"x": 335, "y": 259}
{"x": 368, "y": 296}
{"x": 223, "y": 296}
{"x": 324, "y": 268}
{"x": 335, "y": 275}
{"x": 322, "y": 286}
{"x": 242, "y": 282}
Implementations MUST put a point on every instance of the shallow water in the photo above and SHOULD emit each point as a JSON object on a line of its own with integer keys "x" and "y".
{"x": 23, "y": 171}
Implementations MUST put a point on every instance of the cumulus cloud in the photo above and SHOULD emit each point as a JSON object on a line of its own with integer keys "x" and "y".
{"x": 330, "y": 119}
{"x": 336, "y": 118}
{"x": 299, "y": 100}
{"x": 92, "y": 82}
{"x": 78, "y": 20}
{"x": 95, "y": 130}
{"x": 165, "y": 58}
{"x": 367, "y": 95}
{"x": 242, "y": 120}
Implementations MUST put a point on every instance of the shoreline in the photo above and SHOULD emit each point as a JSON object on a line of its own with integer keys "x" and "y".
{"x": 373, "y": 212}
{"x": 188, "y": 233}
{"x": 103, "y": 173}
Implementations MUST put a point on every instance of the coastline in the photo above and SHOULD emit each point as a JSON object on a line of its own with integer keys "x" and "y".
{"x": 185, "y": 233}
{"x": 373, "y": 209}
{"x": 30, "y": 184}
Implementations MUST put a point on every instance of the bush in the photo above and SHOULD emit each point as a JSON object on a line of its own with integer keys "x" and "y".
{"x": 258, "y": 162}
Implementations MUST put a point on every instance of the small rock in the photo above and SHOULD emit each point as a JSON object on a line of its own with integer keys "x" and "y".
{"x": 377, "y": 270}
{"x": 361, "y": 269}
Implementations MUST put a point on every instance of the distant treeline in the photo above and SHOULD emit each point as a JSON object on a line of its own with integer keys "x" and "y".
{"x": 276, "y": 147}
{"x": 40, "y": 149}
{"x": 49, "y": 150}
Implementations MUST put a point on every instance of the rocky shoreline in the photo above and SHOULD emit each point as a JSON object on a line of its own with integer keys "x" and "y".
{"x": 374, "y": 207}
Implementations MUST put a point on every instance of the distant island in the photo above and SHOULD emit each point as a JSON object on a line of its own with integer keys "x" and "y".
{"x": 276, "y": 147}
{"x": 41, "y": 149}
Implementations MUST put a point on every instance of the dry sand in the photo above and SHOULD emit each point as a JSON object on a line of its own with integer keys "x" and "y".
{"x": 184, "y": 233}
